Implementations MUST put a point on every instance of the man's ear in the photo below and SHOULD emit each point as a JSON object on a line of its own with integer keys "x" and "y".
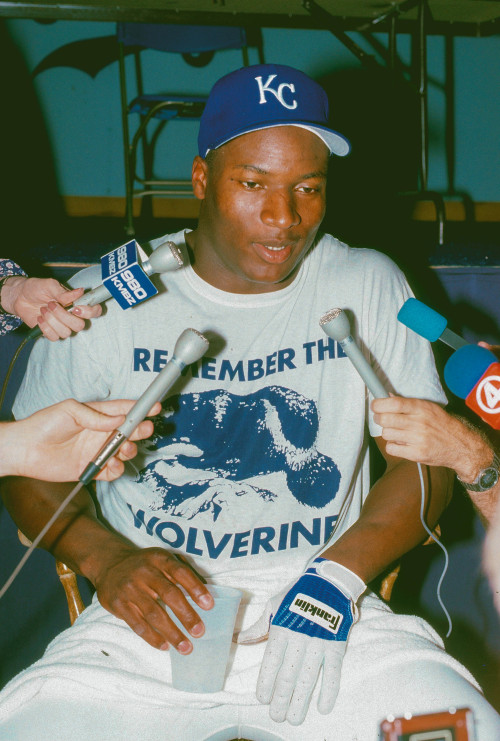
{"x": 199, "y": 177}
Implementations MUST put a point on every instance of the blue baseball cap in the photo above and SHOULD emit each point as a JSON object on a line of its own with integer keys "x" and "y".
{"x": 262, "y": 96}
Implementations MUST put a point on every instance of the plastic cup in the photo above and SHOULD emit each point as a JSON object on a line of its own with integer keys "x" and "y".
{"x": 204, "y": 669}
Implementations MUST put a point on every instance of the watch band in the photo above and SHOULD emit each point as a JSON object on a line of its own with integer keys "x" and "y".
{"x": 486, "y": 479}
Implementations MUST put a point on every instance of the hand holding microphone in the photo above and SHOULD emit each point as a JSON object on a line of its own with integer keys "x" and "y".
{"x": 165, "y": 258}
{"x": 41, "y": 301}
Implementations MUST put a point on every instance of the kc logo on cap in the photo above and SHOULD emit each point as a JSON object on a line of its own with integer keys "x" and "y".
{"x": 262, "y": 96}
{"x": 266, "y": 87}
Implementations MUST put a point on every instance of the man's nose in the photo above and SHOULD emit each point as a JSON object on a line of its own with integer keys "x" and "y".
{"x": 280, "y": 210}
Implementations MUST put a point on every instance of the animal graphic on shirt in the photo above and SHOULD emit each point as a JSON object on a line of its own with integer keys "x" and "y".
{"x": 217, "y": 448}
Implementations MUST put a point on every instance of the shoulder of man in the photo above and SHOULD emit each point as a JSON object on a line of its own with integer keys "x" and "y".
{"x": 357, "y": 258}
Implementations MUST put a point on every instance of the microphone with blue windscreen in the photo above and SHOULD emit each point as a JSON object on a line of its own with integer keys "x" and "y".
{"x": 428, "y": 323}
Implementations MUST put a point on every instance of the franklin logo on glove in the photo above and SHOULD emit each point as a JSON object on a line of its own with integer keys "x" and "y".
{"x": 319, "y": 612}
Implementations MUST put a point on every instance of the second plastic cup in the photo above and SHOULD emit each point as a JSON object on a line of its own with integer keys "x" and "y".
{"x": 204, "y": 669}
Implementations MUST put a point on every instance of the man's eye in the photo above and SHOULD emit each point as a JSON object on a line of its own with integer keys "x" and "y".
{"x": 307, "y": 189}
{"x": 250, "y": 184}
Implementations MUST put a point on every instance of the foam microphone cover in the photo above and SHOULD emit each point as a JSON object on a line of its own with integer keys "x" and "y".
{"x": 465, "y": 367}
{"x": 422, "y": 319}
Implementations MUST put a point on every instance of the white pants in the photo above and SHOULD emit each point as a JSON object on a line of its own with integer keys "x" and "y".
{"x": 98, "y": 680}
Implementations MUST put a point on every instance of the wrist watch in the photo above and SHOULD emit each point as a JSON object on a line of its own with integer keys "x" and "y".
{"x": 486, "y": 478}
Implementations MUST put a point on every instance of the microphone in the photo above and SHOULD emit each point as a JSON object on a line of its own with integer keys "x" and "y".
{"x": 473, "y": 373}
{"x": 428, "y": 323}
{"x": 164, "y": 259}
{"x": 189, "y": 348}
{"x": 335, "y": 324}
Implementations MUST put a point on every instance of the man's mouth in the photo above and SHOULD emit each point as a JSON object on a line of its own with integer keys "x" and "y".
{"x": 274, "y": 251}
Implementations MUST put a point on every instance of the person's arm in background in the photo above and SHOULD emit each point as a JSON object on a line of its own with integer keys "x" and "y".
{"x": 57, "y": 443}
{"x": 41, "y": 301}
{"x": 418, "y": 430}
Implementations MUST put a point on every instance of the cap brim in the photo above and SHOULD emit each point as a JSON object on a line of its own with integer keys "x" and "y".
{"x": 336, "y": 143}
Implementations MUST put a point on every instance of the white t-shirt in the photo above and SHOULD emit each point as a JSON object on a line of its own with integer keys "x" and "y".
{"x": 261, "y": 448}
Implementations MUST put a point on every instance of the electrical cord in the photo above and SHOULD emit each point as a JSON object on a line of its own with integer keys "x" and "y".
{"x": 39, "y": 537}
{"x": 441, "y": 545}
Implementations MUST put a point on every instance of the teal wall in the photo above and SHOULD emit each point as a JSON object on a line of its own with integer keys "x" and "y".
{"x": 82, "y": 117}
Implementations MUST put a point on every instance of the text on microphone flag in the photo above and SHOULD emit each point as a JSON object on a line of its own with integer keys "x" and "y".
{"x": 124, "y": 277}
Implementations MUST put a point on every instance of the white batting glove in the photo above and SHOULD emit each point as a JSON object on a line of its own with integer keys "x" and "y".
{"x": 308, "y": 627}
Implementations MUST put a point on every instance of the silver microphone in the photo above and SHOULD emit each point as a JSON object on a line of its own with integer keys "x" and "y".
{"x": 335, "y": 324}
{"x": 164, "y": 259}
{"x": 189, "y": 348}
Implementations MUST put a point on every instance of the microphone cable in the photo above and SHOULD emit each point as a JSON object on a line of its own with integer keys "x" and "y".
{"x": 440, "y": 544}
{"x": 39, "y": 537}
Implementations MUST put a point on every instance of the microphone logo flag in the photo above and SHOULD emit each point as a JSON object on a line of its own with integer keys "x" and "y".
{"x": 488, "y": 394}
{"x": 124, "y": 277}
{"x": 484, "y": 398}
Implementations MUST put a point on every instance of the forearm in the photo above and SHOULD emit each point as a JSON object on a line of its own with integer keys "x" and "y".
{"x": 476, "y": 455}
{"x": 389, "y": 525}
{"x": 77, "y": 538}
{"x": 485, "y": 503}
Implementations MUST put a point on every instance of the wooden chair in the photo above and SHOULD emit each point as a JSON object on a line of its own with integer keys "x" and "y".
{"x": 67, "y": 577}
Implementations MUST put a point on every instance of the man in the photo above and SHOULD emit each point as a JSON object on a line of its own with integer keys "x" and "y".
{"x": 259, "y": 459}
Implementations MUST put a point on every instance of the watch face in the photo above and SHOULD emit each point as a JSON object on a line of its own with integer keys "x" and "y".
{"x": 489, "y": 478}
